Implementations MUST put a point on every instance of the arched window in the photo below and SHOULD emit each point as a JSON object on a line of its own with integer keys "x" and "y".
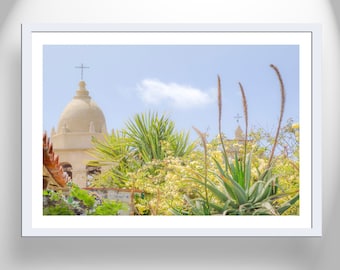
{"x": 67, "y": 167}
{"x": 91, "y": 172}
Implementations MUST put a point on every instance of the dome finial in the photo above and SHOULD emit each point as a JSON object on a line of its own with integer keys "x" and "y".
{"x": 82, "y": 92}
{"x": 82, "y": 85}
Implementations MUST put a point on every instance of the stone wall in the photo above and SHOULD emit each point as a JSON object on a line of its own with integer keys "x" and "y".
{"x": 116, "y": 194}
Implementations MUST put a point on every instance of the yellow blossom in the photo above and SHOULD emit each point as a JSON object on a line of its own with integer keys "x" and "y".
{"x": 295, "y": 126}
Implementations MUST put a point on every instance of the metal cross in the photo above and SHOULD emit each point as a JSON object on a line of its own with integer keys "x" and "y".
{"x": 238, "y": 117}
{"x": 82, "y": 70}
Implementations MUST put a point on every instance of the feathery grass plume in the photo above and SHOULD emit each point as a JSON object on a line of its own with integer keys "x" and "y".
{"x": 283, "y": 101}
{"x": 204, "y": 141}
{"x": 219, "y": 103}
{"x": 245, "y": 112}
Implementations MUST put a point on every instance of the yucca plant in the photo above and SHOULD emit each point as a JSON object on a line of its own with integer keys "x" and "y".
{"x": 114, "y": 154}
{"x": 151, "y": 136}
{"x": 146, "y": 138}
{"x": 232, "y": 191}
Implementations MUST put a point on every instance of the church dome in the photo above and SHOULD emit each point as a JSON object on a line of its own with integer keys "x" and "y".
{"x": 239, "y": 133}
{"x": 82, "y": 114}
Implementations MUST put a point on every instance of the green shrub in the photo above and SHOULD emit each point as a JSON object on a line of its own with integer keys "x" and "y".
{"x": 109, "y": 208}
{"x": 61, "y": 209}
{"x": 78, "y": 202}
{"x": 83, "y": 196}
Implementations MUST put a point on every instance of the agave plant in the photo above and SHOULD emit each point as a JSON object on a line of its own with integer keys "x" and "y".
{"x": 232, "y": 190}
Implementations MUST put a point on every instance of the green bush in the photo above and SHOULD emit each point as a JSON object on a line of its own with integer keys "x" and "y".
{"x": 62, "y": 209}
{"x": 78, "y": 202}
{"x": 83, "y": 196}
{"x": 109, "y": 208}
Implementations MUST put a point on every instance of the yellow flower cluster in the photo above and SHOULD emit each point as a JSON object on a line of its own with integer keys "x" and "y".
{"x": 295, "y": 126}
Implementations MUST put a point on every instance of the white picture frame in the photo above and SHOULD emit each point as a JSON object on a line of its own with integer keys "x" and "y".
{"x": 308, "y": 37}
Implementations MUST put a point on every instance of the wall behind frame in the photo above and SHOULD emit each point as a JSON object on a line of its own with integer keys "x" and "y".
{"x": 161, "y": 253}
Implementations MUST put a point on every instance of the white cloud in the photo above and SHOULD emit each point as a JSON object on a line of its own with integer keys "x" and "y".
{"x": 180, "y": 96}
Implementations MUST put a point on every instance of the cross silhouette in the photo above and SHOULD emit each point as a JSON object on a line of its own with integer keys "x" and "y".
{"x": 82, "y": 70}
{"x": 237, "y": 117}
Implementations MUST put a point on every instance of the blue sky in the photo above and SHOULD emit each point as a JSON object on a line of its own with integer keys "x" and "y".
{"x": 179, "y": 80}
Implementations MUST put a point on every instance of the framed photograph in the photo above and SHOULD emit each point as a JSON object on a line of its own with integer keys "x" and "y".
{"x": 171, "y": 130}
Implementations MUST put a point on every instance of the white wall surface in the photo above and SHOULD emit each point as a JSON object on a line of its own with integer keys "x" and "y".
{"x": 161, "y": 253}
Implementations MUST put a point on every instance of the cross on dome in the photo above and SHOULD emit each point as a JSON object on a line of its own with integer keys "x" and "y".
{"x": 82, "y": 70}
{"x": 237, "y": 117}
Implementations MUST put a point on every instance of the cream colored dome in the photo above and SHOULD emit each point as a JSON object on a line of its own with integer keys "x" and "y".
{"x": 82, "y": 114}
